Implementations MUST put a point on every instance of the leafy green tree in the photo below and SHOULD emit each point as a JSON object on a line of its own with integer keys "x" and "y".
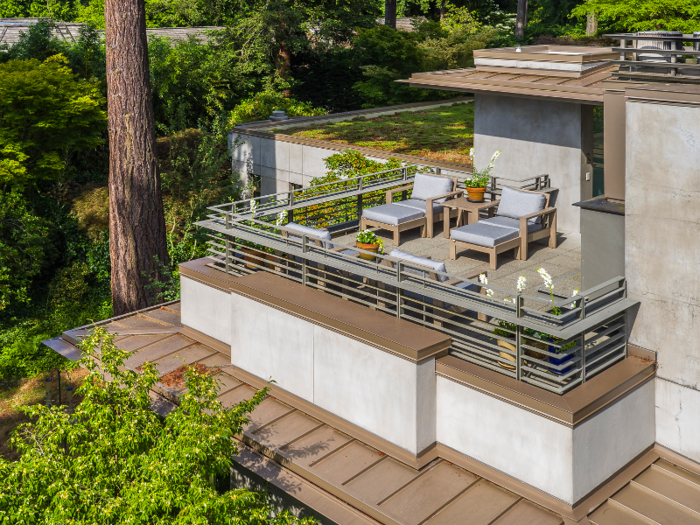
{"x": 112, "y": 460}
{"x": 643, "y": 15}
{"x": 46, "y": 115}
{"x": 25, "y": 249}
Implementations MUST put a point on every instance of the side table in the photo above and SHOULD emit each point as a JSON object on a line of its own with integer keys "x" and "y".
{"x": 464, "y": 208}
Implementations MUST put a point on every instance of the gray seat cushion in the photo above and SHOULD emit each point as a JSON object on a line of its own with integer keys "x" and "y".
{"x": 483, "y": 234}
{"x": 408, "y": 257}
{"x": 513, "y": 224}
{"x": 421, "y": 205}
{"x": 427, "y": 186}
{"x": 324, "y": 235}
{"x": 516, "y": 203}
{"x": 392, "y": 214}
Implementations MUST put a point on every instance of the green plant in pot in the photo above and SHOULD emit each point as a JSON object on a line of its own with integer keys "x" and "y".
{"x": 367, "y": 240}
{"x": 476, "y": 185}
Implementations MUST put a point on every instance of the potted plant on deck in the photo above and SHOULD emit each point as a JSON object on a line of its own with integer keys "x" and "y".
{"x": 476, "y": 185}
{"x": 367, "y": 240}
{"x": 561, "y": 356}
{"x": 508, "y": 330}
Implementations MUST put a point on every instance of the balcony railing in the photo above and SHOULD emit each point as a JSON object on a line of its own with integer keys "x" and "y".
{"x": 553, "y": 344}
{"x": 651, "y": 61}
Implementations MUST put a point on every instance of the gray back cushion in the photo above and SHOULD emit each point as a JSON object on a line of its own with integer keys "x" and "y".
{"x": 427, "y": 186}
{"x": 324, "y": 235}
{"x": 516, "y": 203}
{"x": 436, "y": 265}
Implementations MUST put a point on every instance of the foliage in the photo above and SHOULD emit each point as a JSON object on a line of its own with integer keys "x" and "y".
{"x": 481, "y": 178}
{"x": 369, "y": 237}
{"x": 443, "y": 133}
{"x": 112, "y": 460}
{"x": 644, "y": 15}
{"x": 25, "y": 249}
{"x": 456, "y": 50}
{"x": 46, "y": 115}
{"x": 261, "y": 105}
{"x": 459, "y": 19}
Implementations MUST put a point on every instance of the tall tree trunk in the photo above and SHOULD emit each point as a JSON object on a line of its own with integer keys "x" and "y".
{"x": 285, "y": 65}
{"x": 521, "y": 19}
{"x": 137, "y": 239}
{"x": 390, "y": 13}
{"x": 591, "y": 24}
{"x": 443, "y": 9}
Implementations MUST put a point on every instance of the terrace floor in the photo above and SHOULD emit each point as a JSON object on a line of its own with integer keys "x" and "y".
{"x": 562, "y": 263}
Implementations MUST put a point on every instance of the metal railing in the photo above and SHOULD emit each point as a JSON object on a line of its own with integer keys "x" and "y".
{"x": 553, "y": 344}
{"x": 640, "y": 61}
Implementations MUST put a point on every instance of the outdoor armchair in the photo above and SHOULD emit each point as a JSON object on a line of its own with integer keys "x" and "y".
{"x": 522, "y": 217}
{"x": 420, "y": 211}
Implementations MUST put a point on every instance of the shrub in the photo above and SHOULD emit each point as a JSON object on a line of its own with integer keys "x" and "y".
{"x": 261, "y": 105}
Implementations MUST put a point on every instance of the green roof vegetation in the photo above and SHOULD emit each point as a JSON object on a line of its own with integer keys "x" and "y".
{"x": 444, "y": 133}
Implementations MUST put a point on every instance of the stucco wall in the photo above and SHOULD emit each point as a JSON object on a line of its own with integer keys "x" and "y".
{"x": 537, "y": 137}
{"x": 565, "y": 462}
{"x": 662, "y": 260}
{"x": 385, "y": 394}
{"x": 205, "y": 309}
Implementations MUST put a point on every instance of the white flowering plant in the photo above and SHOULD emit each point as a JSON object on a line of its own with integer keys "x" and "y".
{"x": 481, "y": 178}
{"x": 369, "y": 237}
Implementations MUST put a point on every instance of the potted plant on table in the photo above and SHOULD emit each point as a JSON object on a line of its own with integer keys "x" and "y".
{"x": 476, "y": 185}
{"x": 367, "y": 240}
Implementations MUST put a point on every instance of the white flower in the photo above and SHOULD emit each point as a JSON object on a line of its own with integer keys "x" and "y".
{"x": 253, "y": 207}
{"x": 546, "y": 278}
{"x": 489, "y": 292}
{"x": 471, "y": 152}
{"x": 493, "y": 158}
{"x": 483, "y": 279}
{"x": 281, "y": 218}
{"x": 573, "y": 294}
{"x": 522, "y": 281}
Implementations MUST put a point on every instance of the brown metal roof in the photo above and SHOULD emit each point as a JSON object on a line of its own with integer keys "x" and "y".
{"x": 528, "y": 83}
{"x": 663, "y": 494}
{"x": 351, "y": 481}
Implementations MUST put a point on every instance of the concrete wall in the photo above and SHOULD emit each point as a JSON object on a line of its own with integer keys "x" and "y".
{"x": 538, "y": 137}
{"x": 278, "y": 162}
{"x": 385, "y": 394}
{"x": 206, "y": 309}
{"x": 565, "y": 462}
{"x": 662, "y": 260}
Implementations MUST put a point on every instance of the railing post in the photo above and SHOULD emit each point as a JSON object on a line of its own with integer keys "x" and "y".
{"x": 304, "y": 240}
{"x": 359, "y": 201}
{"x": 228, "y": 255}
{"x": 518, "y": 338}
{"x": 398, "y": 290}
{"x": 582, "y": 342}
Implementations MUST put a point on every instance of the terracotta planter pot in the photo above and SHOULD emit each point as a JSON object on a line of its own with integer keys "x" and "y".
{"x": 368, "y": 247}
{"x": 537, "y": 355}
{"x": 476, "y": 194}
{"x": 506, "y": 355}
{"x": 253, "y": 259}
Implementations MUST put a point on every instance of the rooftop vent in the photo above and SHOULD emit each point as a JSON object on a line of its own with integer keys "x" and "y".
{"x": 662, "y": 45}
{"x": 278, "y": 115}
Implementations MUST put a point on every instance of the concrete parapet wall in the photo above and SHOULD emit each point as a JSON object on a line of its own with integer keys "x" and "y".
{"x": 565, "y": 462}
{"x": 662, "y": 261}
{"x": 538, "y": 137}
{"x": 385, "y": 394}
{"x": 206, "y": 309}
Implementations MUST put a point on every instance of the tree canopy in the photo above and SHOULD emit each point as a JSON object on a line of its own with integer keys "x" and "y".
{"x": 112, "y": 460}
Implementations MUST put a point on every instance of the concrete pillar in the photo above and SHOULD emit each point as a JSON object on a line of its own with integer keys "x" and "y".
{"x": 536, "y": 137}
{"x": 662, "y": 255}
